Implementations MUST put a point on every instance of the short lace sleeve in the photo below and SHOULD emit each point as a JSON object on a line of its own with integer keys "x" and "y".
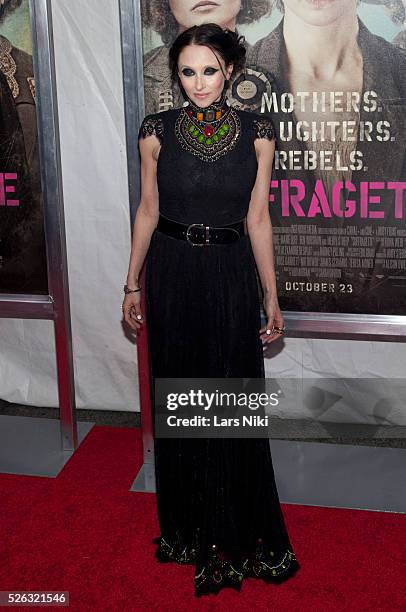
{"x": 263, "y": 128}
{"x": 152, "y": 125}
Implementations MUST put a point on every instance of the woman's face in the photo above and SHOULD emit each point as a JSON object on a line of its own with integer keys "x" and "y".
{"x": 195, "y": 12}
{"x": 201, "y": 73}
{"x": 320, "y": 12}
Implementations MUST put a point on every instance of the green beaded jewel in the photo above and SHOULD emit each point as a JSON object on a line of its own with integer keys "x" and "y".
{"x": 221, "y": 133}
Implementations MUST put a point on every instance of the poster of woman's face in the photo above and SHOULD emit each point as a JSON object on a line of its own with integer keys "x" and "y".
{"x": 331, "y": 74}
{"x": 23, "y": 266}
{"x": 163, "y": 21}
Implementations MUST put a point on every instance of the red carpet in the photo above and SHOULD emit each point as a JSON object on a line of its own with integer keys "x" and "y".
{"x": 85, "y": 533}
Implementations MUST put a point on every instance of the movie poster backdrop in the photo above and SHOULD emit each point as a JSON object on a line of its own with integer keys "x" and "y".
{"x": 23, "y": 266}
{"x": 338, "y": 104}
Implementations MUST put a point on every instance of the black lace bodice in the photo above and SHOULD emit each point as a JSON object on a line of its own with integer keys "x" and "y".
{"x": 195, "y": 186}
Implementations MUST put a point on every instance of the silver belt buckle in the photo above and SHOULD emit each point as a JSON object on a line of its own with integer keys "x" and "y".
{"x": 198, "y": 243}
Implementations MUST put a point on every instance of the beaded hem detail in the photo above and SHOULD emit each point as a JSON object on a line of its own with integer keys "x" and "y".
{"x": 221, "y": 571}
{"x": 174, "y": 552}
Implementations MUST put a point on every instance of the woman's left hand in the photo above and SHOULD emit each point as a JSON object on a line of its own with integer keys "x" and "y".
{"x": 275, "y": 318}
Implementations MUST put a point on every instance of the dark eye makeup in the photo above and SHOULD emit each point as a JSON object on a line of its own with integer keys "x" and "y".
{"x": 208, "y": 71}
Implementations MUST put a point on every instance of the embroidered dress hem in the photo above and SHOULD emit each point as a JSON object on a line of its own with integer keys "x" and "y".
{"x": 222, "y": 572}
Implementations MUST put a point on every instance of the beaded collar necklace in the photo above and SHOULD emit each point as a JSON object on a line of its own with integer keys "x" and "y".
{"x": 208, "y": 132}
{"x": 208, "y": 116}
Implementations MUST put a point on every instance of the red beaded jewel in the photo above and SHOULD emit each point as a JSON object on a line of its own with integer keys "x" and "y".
{"x": 208, "y": 130}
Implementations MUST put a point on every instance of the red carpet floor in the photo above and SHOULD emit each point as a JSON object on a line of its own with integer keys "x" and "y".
{"x": 85, "y": 533}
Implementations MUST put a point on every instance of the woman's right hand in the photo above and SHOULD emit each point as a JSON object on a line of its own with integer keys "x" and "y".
{"x": 132, "y": 310}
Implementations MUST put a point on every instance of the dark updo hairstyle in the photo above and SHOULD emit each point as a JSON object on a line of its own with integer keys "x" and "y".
{"x": 226, "y": 43}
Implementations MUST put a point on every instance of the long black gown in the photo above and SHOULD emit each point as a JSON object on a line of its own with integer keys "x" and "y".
{"x": 217, "y": 500}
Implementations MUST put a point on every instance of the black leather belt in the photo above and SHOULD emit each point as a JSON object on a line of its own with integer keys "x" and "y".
{"x": 199, "y": 234}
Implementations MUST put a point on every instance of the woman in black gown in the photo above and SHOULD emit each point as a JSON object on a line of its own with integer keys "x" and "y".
{"x": 208, "y": 163}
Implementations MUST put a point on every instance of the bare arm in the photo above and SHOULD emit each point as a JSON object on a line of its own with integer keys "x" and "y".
{"x": 259, "y": 228}
{"x": 146, "y": 218}
{"x": 145, "y": 222}
{"x": 258, "y": 219}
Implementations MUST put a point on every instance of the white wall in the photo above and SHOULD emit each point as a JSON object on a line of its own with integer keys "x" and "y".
{"x": 90, "y": 98}
{"x": 340, "y": 381}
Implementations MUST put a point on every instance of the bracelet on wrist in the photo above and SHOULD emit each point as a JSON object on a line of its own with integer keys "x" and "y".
{"x": 128, "y": 290}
